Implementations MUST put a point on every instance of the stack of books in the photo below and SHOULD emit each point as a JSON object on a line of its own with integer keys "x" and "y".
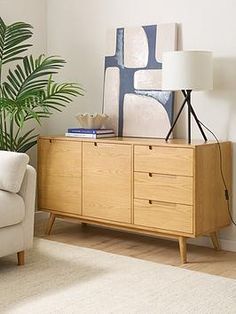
{"x": 90, "y": 133}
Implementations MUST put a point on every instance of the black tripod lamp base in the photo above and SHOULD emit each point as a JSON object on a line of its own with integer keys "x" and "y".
{"x": 191, "y": 113}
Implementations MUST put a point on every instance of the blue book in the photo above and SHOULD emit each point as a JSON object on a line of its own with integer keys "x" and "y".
{"x": 90, "y": 131}
{"x": 90, "y": 135}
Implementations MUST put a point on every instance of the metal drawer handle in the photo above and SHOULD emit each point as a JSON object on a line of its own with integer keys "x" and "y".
{"x": 150, "y": 147}
{"x": 150, "y": 202}
{"x": 150, "y": 174}
{"x": 95, "y": 144}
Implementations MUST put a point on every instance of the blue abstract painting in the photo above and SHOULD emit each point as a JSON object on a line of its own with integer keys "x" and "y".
{"x": 132, "y": 85}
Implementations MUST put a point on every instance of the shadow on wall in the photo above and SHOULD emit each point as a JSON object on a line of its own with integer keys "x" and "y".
{"x": 225, "y": 89}
{"x": 229, "y": 233}
{"x": 224, "y": 74}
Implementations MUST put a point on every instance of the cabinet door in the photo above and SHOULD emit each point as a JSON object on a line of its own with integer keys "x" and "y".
{"x": 59, "y": 175}
{"x": 107, "y": 181}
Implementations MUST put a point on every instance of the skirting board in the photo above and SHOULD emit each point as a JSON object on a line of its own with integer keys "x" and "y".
{"x": 226, "y": 245}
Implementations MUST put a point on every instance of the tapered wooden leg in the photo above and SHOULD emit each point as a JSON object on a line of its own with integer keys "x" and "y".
{"x": 183, "y": 249}
{"x": 21, "y": 258}
{"x": 50, "y": 223}
{"x": 215, "y": 241}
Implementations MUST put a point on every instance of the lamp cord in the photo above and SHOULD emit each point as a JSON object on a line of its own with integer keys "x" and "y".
{"x": 227, "y": 196}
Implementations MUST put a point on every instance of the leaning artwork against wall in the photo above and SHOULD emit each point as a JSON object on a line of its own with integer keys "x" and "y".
{"x": 132, "y": 85}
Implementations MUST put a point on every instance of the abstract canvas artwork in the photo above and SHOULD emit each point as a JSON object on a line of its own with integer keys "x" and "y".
{"x": 132, "y": 83}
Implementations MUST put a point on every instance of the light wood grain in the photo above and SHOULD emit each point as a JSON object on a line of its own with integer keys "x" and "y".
{"x": 130, "y": 227}
{"x": 183, "y": 249}
{"x": 167, "y": 188}
{"x": 61, "y": 193}
{"x": 142, "y": 185}
{"x": 165, "y": 160}
{"x": 59, "y": 175}
{"x": 135, "y": 140}
{"x": 167, "y": 216}
{"x": 21, "y": 258}
{"x": 210, "y": 204}
{"x": 107, "y": 181}
{"x": 50, "y": 223}
{"x": 215, "y": 240}
{"x": 52, "y": 155}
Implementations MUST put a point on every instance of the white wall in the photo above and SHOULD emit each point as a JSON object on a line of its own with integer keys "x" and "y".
{"x": 34, "y": 13}
{"x": 29, "y": 11}
{"x": 77, "y": 29}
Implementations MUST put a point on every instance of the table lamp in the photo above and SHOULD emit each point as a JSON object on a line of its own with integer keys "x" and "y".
{"x": 187, "y": 71}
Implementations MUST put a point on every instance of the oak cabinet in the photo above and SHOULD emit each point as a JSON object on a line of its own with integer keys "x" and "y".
{"x": 163, "y": 215}
{"x": 107, "y": 181}
{"x": 171, "y": 189}
{"x": 167, "y": 160}
{"x": 59, "y": 176}
{"x": 161, "y": 187}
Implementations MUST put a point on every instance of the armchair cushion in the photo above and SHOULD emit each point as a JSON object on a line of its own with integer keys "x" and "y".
{"x": 12, "y": 209}
{"x": 12, "y": 170}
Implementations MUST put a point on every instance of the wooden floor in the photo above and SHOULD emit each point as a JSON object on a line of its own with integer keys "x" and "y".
{"x": 157, "y": 250}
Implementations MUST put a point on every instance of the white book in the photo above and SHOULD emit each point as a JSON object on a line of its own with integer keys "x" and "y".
{"x": 88, "y": 135}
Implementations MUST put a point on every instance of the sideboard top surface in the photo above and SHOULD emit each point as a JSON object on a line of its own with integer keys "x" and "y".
{"x": 135, "y": 140}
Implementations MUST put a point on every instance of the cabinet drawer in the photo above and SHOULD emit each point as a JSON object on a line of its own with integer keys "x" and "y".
{"x": 167, "y": 216}
{"x": 166, "y": 160}
{"x": 167, "y": 188}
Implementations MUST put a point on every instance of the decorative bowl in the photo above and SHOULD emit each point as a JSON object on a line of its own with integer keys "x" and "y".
{"x": 91, "y": 120}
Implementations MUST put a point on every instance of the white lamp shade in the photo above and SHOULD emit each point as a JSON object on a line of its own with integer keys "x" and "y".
{"x": 182, "y": 70}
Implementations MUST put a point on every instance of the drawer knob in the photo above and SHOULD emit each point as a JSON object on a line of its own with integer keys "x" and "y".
{"x": 150, "y": 202}
{"x": 95, "y": 144}
{"x": 150, "y": 174}
{"x": 150, "y": 147}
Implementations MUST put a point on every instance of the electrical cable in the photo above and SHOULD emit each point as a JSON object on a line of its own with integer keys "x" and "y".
{"x": 227, "y": 196}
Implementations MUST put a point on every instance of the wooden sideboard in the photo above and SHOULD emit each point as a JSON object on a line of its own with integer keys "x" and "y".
{"x": 148, "y": 186}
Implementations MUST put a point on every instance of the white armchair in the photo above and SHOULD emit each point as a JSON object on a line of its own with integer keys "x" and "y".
{"x": 17, "y": 204}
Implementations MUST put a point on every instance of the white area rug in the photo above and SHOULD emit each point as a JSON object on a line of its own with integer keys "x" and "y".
{"x": 60, "y": 278}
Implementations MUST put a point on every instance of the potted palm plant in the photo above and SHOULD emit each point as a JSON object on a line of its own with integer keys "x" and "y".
{"x": 28, "y": 91}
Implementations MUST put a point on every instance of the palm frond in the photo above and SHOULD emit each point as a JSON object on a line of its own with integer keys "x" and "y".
{"x": 29, "y": 92}
{"x": 24, "y": 148}
{"x": 56, "y": 96}
{"x": 11, "y": 39}
{"x": 5, "y": 141}
{"x": 31, "y": 77}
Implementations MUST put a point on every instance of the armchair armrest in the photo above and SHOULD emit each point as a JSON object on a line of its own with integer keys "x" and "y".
{"x": 27, "y": 192}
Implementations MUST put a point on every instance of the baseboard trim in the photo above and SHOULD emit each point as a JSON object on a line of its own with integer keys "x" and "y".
{"x": 226, "y": 245}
